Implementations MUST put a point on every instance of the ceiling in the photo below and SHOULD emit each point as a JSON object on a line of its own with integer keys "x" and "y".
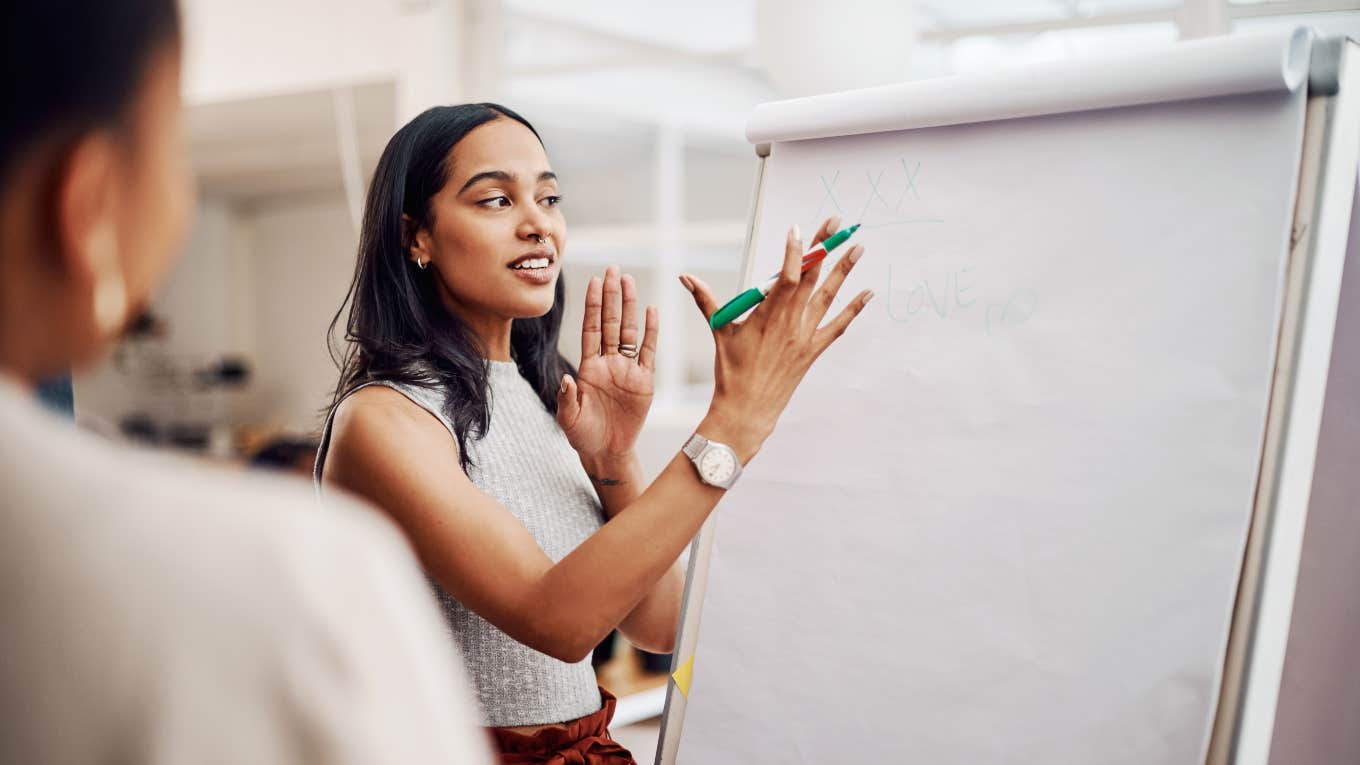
{"x": 284, "y": 145}
{"x": 602, "y": 85}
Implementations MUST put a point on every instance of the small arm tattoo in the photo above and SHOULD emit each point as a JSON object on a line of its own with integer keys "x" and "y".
{"x": 601, "y": 480}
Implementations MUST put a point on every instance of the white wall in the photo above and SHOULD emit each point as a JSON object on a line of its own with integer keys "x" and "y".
{"x": 301, "y": 258}
{"x": 200, "y": 293}
{"x": 248, "y": 48}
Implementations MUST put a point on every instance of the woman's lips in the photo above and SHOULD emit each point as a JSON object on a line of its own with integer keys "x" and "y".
{"x": 538, "y": 276}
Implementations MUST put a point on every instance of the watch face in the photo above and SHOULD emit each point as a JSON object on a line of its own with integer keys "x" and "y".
{"x": 717, "y": 465}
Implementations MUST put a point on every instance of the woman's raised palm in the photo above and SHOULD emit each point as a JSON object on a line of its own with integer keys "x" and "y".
{"x": 603, "y": 410}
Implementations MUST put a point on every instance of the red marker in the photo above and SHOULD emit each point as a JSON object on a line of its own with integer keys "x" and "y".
{"x": 812, "y": 259}
{"x": 750, "y": 298}
{"x": 831, "y": 243}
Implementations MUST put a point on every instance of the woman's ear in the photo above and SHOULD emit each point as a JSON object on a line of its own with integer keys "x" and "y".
{"x": 86, "y": 228}
{"x": 84, "y": 206}
{"x": 416, "y": 239}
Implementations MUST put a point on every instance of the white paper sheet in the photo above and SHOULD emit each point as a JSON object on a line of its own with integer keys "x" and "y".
{"x": 1002, "y": 520}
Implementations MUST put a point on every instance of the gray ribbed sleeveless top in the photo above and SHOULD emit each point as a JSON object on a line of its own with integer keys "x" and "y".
{"x": 526, "y": 463}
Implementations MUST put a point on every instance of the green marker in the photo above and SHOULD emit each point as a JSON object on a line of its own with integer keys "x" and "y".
{"x": 752, "y": 297}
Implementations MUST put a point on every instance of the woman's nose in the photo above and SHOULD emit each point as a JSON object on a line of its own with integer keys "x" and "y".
{"x": 536, "y": 224}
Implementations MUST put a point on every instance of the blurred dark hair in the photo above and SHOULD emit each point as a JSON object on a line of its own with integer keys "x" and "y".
{"x": 72, "y": 66}
{"x": 284, "y": 453}
{"x": 397, "y": 328}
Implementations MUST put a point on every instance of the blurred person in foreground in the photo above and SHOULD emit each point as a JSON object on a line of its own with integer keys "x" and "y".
{"x": 150, "y": 610}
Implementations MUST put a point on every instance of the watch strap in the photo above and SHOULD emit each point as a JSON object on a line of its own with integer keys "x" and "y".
{"x": 694, "y": 446}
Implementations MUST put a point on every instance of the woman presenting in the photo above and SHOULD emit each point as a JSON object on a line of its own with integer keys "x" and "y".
{"x": 513, "y": 474}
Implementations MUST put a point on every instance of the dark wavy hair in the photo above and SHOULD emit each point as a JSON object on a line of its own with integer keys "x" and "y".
{"x": 72, "y": 66}
{"x": 397, "y": 328}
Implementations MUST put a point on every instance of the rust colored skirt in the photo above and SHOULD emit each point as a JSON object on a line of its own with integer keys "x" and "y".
{"x": 581, "y": 742}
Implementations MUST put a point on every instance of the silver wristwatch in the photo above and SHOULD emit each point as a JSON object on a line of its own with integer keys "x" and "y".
{"x": 717, "y": 463}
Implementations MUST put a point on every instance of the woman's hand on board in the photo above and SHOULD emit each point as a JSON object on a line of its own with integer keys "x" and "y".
{"x": 759, "y": 361}
{"x": 603, "y": 409}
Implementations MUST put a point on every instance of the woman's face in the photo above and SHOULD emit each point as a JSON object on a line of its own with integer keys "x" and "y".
{"x": 497, "y": 236}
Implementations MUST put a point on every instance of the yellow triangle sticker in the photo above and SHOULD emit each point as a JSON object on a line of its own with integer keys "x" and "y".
{"x": 682, "y": 676}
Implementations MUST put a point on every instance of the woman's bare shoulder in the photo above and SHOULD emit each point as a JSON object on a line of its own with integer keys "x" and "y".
{"x": 378, "y": 417}
{"x": 381, "y": 401}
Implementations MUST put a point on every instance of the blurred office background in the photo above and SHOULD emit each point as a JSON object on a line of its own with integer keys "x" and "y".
{"x": 642, "y": 107}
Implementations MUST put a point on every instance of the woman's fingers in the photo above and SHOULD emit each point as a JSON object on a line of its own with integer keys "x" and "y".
{"x": 808, "y": 281}
{"x": 703, "y": 296}
{"x": 611, "y": 313}
{"x": 809, "y": 278}
{"x": 791, "y": 290}
{"x": 788, "y": 275}
{"x": 826, "y": 294}
{"x": 647, "y": 355}
{"x": 829, "y": 226}
{"x": 628, "y": 332}
{"x": 568, "y": 402}
{"x": 590, "y": 326}
{"x": 824, "y": 337}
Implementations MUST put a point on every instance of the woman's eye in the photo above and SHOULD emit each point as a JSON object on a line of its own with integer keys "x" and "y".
{"x": 495, "y": 202}
{"x": 552, "y": 200}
